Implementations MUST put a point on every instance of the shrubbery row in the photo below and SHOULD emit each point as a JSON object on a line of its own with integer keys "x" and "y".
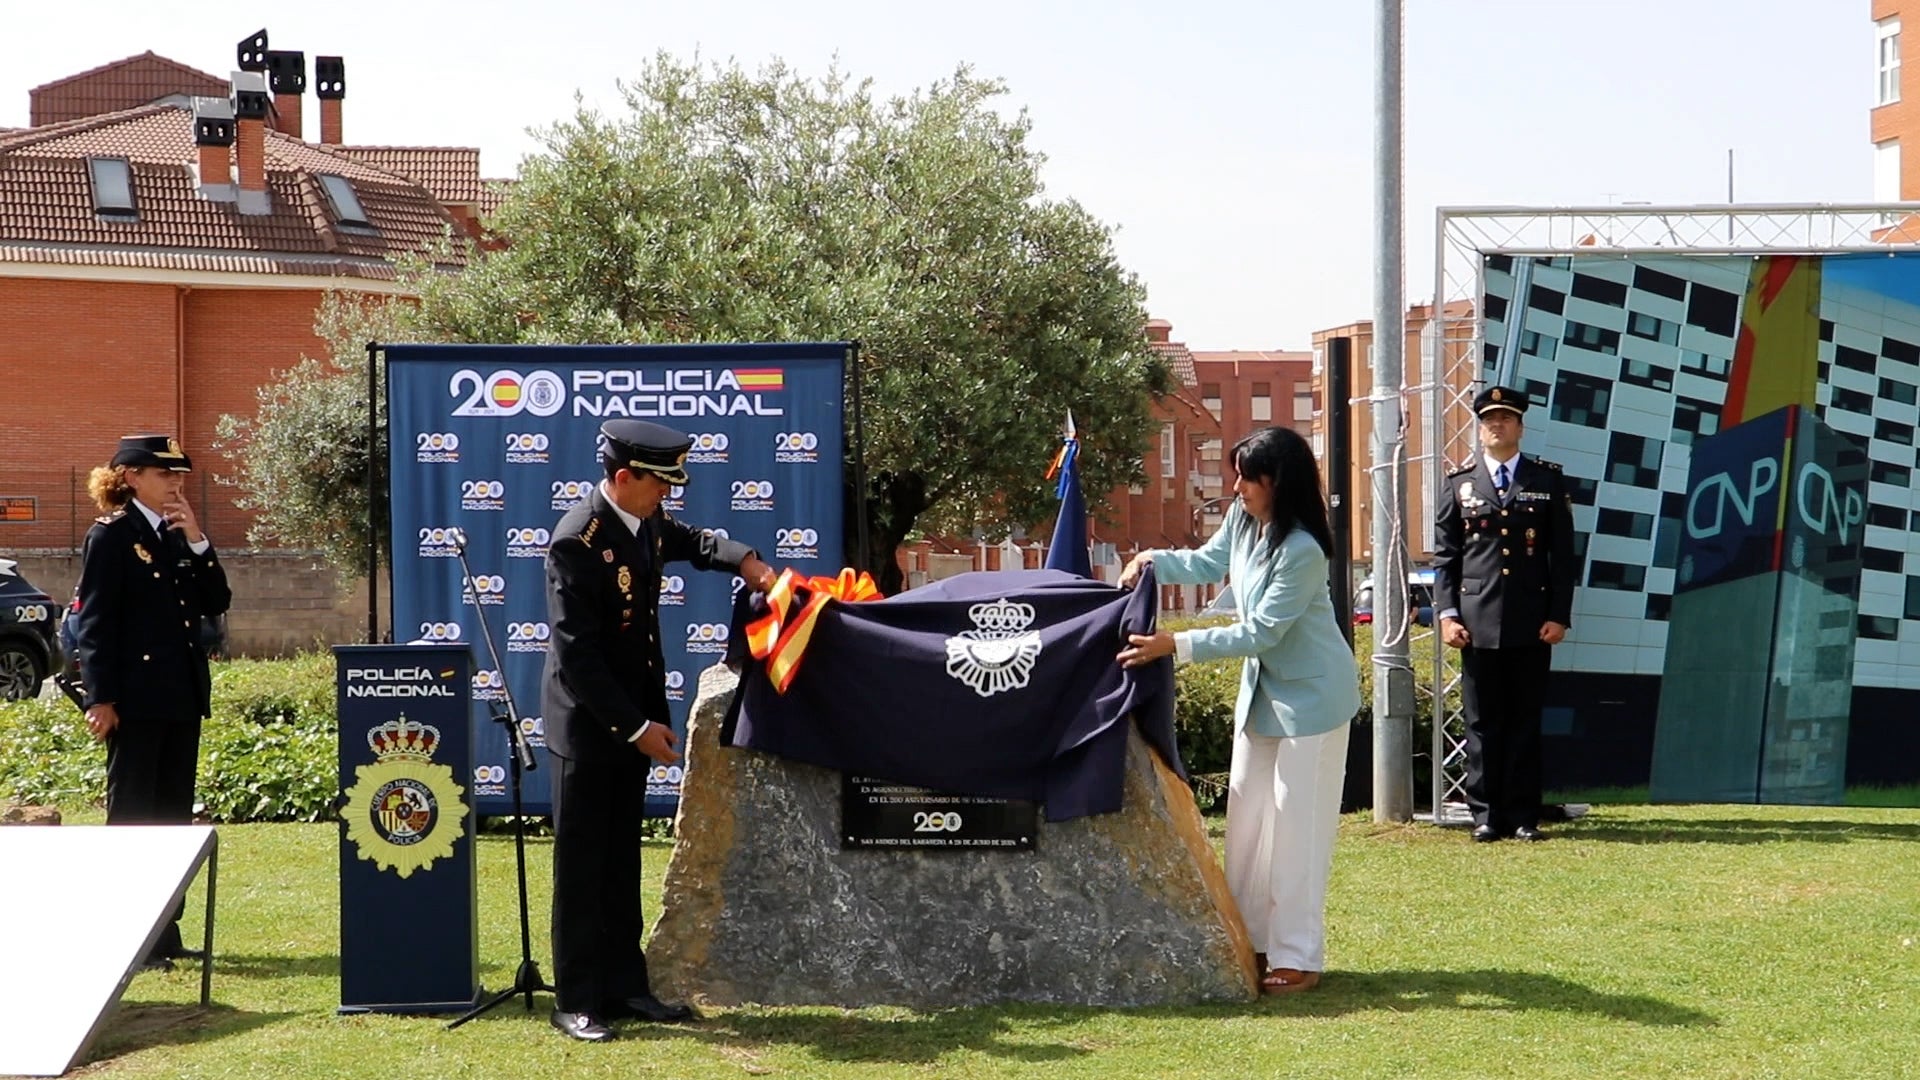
{"x": 270, "y": 753}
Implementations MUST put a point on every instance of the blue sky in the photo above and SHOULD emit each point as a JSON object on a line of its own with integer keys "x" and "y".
{"x": 1229, "y": 144}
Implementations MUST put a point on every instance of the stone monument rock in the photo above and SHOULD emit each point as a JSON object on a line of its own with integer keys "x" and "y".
{"x": 762, "y": 905}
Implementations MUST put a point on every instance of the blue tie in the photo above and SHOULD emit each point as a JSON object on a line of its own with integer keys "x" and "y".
{"x": 1500, "y": 482}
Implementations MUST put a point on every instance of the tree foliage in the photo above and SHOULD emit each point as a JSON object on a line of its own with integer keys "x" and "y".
{"x": 734, "y": 206}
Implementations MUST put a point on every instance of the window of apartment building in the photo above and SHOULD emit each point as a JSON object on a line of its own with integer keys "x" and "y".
{"x": 1210, "y": 397}
{"x": 1262, "y": 403}
{"x": 1303, "y": 406}
{"x": 1887, "y": 46}
{"x": 1886, "y": 171}
{"x": 1166, "y": 451}
{"x": 112, "y": 186}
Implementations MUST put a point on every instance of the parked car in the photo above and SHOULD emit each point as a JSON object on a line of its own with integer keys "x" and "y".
{"x": 29, "y": 638}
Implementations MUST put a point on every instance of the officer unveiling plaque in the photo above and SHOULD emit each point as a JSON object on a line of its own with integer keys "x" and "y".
{"x": 762, "y": 903}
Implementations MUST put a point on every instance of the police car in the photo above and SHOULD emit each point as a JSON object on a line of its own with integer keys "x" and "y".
{"x": 29, "y": 642}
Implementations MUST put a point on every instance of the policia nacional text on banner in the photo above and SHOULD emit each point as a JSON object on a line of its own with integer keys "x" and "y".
{"x": 499, "y": 440}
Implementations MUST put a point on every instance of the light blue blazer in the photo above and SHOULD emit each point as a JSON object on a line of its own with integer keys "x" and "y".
{"x": 1299, "y": 676}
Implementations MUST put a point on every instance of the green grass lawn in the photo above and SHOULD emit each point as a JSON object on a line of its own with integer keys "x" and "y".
{"x": 1703, "y": 941}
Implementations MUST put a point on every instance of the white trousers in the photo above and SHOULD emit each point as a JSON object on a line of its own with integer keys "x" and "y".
{"x": 1283, "y": 813}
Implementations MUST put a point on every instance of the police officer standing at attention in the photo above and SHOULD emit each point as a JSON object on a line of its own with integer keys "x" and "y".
{"x": 1503, "y": 578}
{"x": 148, "y": 576}
{"x": 605, "y": 701}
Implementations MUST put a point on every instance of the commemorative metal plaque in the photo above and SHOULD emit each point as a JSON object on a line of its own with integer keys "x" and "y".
{"x": 877, "y": 815}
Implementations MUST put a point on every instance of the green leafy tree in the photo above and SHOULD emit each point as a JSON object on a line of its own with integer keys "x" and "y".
{"x": 735, "y": 206}
{"x": 728, "y": 206}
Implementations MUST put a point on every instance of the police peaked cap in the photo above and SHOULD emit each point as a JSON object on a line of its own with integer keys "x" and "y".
{"x": 152, "y": 451}
{"x": 1500, "y": 397}
{"x": 641, "y": 444}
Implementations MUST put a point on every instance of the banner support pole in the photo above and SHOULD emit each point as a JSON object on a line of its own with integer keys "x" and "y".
{"x": 373, "y": 508}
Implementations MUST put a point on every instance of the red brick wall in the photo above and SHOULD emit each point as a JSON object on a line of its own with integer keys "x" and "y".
{"x": 87, "y": 362}
{"x": 238, "y": 339}
{"x": 84, "y": 363}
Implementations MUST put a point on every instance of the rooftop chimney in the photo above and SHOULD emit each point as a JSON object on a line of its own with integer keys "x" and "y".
{"x": 251, "y": 53}
{"x": 250, "y": 149}
{"x": 287, "y": 72}
{"x": 330, "y": 86}
{"x": 213, "y": 134}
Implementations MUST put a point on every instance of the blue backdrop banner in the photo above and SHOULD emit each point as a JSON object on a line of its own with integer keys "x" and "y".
{"x": 498, "y": 441}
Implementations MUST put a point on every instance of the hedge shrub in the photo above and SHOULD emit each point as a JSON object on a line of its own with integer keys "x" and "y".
{"x": 1203, "y": 703}
{"x": 269, "y": 752}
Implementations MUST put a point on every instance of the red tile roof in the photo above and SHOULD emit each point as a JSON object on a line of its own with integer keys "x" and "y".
{"x": 47, "y": 214}
{"x": 1178, "y": 358}
{"x": 122, "y": 84}
{"x": 452, "y": 173}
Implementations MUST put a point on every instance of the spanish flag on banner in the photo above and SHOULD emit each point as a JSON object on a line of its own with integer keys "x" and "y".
{"x": 761, "y": 379}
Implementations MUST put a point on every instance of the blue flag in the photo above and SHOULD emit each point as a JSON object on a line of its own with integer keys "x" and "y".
{"x": 1067, "y": 549}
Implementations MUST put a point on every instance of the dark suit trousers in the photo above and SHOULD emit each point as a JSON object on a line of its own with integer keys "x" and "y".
{"x": 150, "y": 775}
{"x": 597, "y": 810}
{"x": 1502, "y": 690}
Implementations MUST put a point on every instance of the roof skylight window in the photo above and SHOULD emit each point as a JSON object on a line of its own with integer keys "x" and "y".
{"x": 346, "y": 204}
{"x": 112, "y": 186}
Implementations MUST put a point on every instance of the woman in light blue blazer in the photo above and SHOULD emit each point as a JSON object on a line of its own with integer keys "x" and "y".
{"x": 1298, "y": 691}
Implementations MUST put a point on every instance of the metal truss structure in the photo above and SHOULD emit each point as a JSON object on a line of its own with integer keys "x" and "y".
{"x": 1466, "y": 235}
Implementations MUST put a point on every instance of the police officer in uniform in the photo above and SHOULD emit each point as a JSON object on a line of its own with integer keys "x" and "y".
{"x": 148, "y": 576}
{"x": 605, "y": 703}
{"x": 1503, "y": 577}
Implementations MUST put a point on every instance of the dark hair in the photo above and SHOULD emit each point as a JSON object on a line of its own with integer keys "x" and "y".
{"x": 1280, "y": 455}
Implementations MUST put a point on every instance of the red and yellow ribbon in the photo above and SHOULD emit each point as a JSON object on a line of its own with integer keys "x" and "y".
{"x": 781, "y": 641}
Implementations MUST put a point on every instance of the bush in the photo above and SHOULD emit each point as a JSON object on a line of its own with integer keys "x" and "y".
{"x": 1203, "y": 706}
{"x": 46, "y": 756}
{"x": 269, "y": 752}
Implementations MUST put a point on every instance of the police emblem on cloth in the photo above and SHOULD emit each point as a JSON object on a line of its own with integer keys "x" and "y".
{"x": 999, "y": 652}
{"x": 404, "y": 811}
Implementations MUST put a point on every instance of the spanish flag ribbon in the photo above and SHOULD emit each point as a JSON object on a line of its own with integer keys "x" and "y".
{"x": 780, "y": 640}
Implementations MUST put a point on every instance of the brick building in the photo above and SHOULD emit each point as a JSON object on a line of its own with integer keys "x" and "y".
{"x": 166, "y": 238}
{"x": 1422, "y": 479}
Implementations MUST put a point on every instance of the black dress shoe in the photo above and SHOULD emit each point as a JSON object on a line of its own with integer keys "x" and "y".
{"x": 156, "y": 963}
{"x": 1529, "y": 833}
{"x": 650, "y": 1008}
{"x": 1484, "y": 834}
{"x": 583, "y": 1026}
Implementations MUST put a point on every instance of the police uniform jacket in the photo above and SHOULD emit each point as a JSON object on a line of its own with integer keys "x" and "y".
{"x": 1506, "y": 567}
{"x": 606, "y": 673}
{"x": 142, "y": 597}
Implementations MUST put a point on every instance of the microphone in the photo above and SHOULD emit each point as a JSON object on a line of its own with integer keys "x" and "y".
{"x": 459, "y": 538}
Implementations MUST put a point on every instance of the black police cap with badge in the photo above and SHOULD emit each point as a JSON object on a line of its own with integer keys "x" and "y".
{"x": 1500, "y": 397}
{"x": 643, "y": 445}
{"x": 152, "y": 451}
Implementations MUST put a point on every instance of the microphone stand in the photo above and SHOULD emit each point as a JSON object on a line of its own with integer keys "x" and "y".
{"x": 526, "y": 978}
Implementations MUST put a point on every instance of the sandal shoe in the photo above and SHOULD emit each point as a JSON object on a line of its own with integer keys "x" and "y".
{"x": 1288, "y": 981}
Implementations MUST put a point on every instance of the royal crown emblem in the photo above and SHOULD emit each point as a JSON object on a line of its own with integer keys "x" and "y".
{"x": 403, "y": 738}
{"x": 404, "y": 810}
{"x": 998, "y": 654}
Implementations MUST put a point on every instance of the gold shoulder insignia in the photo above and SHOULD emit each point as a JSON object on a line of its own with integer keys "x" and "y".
{"x": 1554, "y": 465}
{"x": 593, "y": 526}
{"x": 110, "y": 518}
{"x": 1461, "y": 470}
